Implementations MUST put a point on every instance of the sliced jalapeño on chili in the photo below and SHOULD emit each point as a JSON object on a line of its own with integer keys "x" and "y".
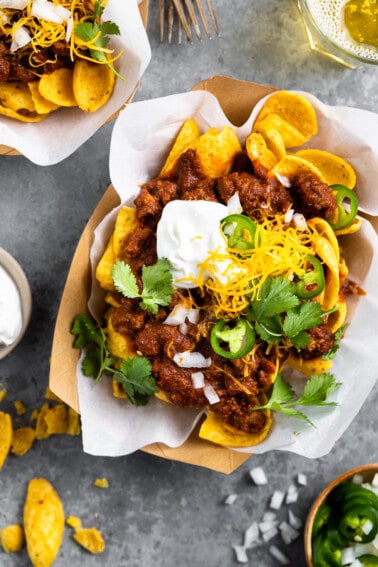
{"x": 232, "y": 338}
{"x": 240, "y": 231}
{"x": 344, "y": 216}
{"x": 312, "y": 283}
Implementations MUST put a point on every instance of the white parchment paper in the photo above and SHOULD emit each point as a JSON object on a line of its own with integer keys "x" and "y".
{"x": 63, "y": 131}
{"x": 142, "y": 137}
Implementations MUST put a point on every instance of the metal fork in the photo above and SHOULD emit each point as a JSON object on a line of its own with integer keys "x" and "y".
{"x": 184, "y": 13}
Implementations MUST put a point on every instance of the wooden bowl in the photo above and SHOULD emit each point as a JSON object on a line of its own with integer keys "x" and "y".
{"x": 366, "y": 471}
{"x": 14, "y": 270}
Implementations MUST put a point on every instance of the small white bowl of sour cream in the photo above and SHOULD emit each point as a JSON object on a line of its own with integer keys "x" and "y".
{"x": 15, "y": 303}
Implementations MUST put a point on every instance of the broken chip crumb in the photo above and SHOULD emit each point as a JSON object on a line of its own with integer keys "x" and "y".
{"x": 12, "y": 538}
{"x": 101, "y": 483}
{"x": 73, "y": 425}
{"x": 49, "y": 395}
{"x": 20, "y": 407}
{"x": 6, "y": 430}
{"x": 22, "y": 440}
{"x": 3, "y": 394}
{"x": 73, "y": 522}
{"x": 90, "y": 538}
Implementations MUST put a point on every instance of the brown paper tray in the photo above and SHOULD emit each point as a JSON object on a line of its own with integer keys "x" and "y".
{"x": 143, "y": 8}
{"x": 76, "y": 292}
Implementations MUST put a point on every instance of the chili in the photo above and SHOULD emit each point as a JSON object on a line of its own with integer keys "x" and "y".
{"x": 240, "y": 231}
{"x": 232, "y": 339}
{"x": 344, "y": 217}
{"x": 313, "y": 281}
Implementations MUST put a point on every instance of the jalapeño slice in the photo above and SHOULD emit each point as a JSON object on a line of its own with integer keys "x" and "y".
{"x": 239, "y": 231}
{"x": 233, "y": 338}
{"x": 344, "y": 216}
{"x": 313, "y": 281}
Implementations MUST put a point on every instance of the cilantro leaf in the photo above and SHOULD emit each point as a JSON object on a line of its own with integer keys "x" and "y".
{"x": 135, "y": 374}
{"x": 157, "y": 284}
{"x": 270, "y": 330}
{"x": 124, "y": 280}
{"x": 96, "y": 34}
{"x": 306, "y": 316}
{"x": 135, "y": 377}
{"x": 277, "y": 295}
{"x": 316, "y": 391}
{"x": 330, "y": 355}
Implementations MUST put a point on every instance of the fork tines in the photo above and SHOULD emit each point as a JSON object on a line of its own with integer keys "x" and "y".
{"x": 183, "y": 12}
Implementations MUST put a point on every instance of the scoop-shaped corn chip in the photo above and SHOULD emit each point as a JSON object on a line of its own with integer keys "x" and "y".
{"x": 274, "y": 140}
{"x": 294, "y": 109}
{"x": 90, "y": 538}
{"x": 257, "y": 149}
{"x": 43, "y": 522}
{"x": 291, "y": 165}
{"x": 326, "y": 247}
{"x": 290, "y": 135}
{"x": 119, "y": 345}
{"x": 58, "y": 87}
{"x": 22, "y": 440}
{"x": 308, "y": 367}
{"x": 215, "y": 430}
{"x": 334, "y": 169}
{"x": 6, "y": 433}
{"x": 93, "y": 84}
{"x": 126, "y": 222}
{"x": 189, "y": 131}
{"x": 12, "y": 538}
{"x": 16, "y": 96}
{"x": 216, "y": 150}
{"x": 41, "y": 104}
{"x": 22, "y": 116}
{"x": 105, "y": 265}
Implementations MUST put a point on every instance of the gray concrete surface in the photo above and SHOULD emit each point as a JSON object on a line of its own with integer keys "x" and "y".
{"x": 158, "y": 513}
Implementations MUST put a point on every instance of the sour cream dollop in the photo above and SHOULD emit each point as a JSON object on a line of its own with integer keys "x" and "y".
{"x": 10, "y": 309}
{"x": 186, "y": 233}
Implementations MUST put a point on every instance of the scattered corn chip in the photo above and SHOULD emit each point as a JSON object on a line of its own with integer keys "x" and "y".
{"x": 6, "y": 431}
{"x": 20, "y": 407}
{"x": 43, "y": 522}
{"x": 101, "y": 483}
{"x": 3, "y": 394}
{"x": 12, "y": 538}
{"x": 90, "y": 538}
{"x": 73, "y": 425}
{"x": 22, "y": 440}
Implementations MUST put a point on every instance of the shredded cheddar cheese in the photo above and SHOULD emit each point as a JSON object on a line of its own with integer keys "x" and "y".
{"x": 235, "y": 278}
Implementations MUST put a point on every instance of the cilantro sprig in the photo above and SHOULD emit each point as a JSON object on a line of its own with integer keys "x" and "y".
{"x": 316, "y": 391}
{"x": 279, "y": 314}
{"x": 97, "y": 33}
{"x": 134, "y": 374}
{"x": 157, "y": 284}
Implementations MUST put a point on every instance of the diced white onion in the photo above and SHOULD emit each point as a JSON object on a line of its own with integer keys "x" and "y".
{"x": 294, "y": 521}
{"x": 270, "y": 534}
{"x": 4, "y": 18}
{"x": 179, "y": 314}
{"x": 240, "y": 553}
{"x": 358, "y": 479}
{"x": 277, "y": 554}
{"x": 374, "y": 481}
{"x": 288, "y": 533}
{"x": 267, "y": 525}
{"x": 258, "y": 476}
{"x": 291, "y": 495}
{"x": 230, "y": 499}
{"x": 289, "y": 215}
{"x": 210, "y": 394}
{"x": 234, "y": 204}
{"x": 21, "y": 38}
{"x": 189, "y": 359}
{"x": 302, "y": 479}
{"x": 347, "y": 556}
{"x": 277, "y": 499}
{"x": 198, "y": 380}
{"x": 283, "y": 179}
{"x": 251, "y": 535}
{"x": 69, "y": 28}
{"x": 229, "y": 228}
{"x": 183, "y": 328}
{"x": 14, "y": 4}
{"x": 367, "y": 527}
{"x": 46, "y": 10}
{"x": 269, "y": 516}
{"x": 299, "y": 220}
{"x": 356, "y": 563}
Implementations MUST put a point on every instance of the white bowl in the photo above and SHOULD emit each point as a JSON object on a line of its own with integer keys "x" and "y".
{"x": 14, "y": 270}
